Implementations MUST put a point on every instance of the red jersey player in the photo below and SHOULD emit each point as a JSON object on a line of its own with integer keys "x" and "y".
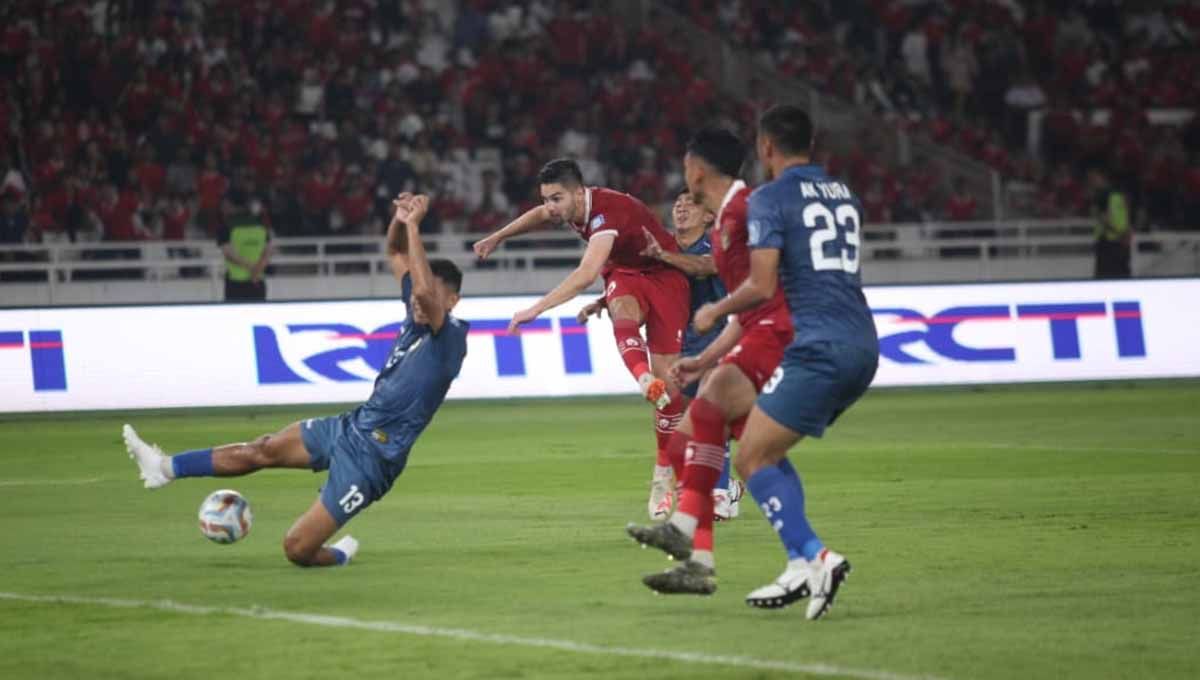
{"x": 638, "y": 290}
{"x": 748, "y": 351}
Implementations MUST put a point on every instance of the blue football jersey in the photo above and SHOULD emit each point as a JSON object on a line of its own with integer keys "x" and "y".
{"x": 705, "y": 289}
{"x": 815, "y": 222}
{"x": 413, "y": 382}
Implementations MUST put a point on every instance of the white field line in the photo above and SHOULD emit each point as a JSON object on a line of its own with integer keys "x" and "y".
{"x": 263, "y": 613}
{"x": 49, "y": 482}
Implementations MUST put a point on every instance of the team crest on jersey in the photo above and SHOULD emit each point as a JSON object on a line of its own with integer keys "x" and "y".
{"x": 724, "y": 239}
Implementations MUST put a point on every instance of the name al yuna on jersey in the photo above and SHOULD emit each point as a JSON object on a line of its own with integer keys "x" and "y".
{"x": 903, "y": 331}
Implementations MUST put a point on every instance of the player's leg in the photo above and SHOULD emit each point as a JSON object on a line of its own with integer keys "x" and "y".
{"x": 304, "y": 543}
{"x": 811, "y": 387}
{"x": 284, "y": 449}
{"x": 665, "y": 297}
{"x": 725, "y": 395}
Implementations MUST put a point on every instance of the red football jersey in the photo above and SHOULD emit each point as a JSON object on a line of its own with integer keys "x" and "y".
{"x": 731, "y": 254}
{"x": 612, "y": 212}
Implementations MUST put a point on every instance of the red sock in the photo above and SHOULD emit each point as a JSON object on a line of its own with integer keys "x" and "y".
{"x": 631, "y": 346}
{"x": 676, "y": 446}
{"x": 703, "y": 540}
{"x": 665, "y": 422}
{"x": 704, "y": 459}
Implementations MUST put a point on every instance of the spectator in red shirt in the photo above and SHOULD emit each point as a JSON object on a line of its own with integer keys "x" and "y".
{"x": 961, "y": 206}
{"x": 210, "y": 192}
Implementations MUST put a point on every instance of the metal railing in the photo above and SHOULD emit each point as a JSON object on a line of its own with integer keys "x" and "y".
{"x": 61, "y": 264}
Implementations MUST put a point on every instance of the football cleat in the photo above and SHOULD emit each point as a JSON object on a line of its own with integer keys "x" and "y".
{"x": 691, "y": 578}
{"x": 726, "y": 501}
{"x": 149, "y": 459}
{"x": 661, "y": 498}
{"x": 666, "y": 537}
{"x": 792, "y": 585}
{"x": 655, "y": 390}
{"x": 826, "y": 574}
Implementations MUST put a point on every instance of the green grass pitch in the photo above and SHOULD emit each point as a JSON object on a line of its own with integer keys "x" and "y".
{"x": 1028, "y": 532}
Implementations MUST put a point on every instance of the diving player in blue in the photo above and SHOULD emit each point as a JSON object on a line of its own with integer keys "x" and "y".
{"x": 364, "y": 449}
{"x": 805, "y": 231}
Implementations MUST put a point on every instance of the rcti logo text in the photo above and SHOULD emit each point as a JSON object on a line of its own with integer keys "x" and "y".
{"x": 333, "y": 351}
{"x": 1062, "y": 319}
{"x": 45, "y": 357}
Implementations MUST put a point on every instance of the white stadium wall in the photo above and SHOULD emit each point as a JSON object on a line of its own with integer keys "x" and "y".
{"x": 57, "y": 359}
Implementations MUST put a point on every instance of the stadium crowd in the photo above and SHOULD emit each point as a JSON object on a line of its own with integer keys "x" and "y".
{"x": 134, "y": 119}
{"x": 967, "y": 73}
{"x": 138, "y": 119}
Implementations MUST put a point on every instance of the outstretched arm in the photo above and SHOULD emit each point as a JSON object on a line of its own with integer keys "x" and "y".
{"x": 533, "y": 219}
{"x": 423, "y": 287}
{"x": 755, "y": 290}
{"x": 689, "y": 369}
{"x": 397, "y": 238}
{"x": 598, "y": 249}
{"x": 692, "y": 265}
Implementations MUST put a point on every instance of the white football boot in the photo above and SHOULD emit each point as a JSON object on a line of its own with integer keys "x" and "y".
{"x": 726, "y": 501}
{"x": 150, "y": 459}
{"x": 662, "y": 497}
{"x": 792, "y": 585}
{"x": 826, "y": 574}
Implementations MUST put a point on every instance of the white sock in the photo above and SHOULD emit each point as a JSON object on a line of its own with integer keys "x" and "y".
{"x": 704, "y": 557}
{"x": 663, "y": 471}
{"x": 167, "y": 467}
{"x": 685, "y": 523}
{"x": 798, "y": 563}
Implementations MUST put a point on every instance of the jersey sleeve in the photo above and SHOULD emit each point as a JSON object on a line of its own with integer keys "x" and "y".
{"x": 764, "y": 223}
{"x": 602, "y": 224}
{"x": 453, "y": 343}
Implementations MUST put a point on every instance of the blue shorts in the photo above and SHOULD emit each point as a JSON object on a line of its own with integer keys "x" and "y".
{"x": 815, "y": 383}
{"x": 358, "y": 476}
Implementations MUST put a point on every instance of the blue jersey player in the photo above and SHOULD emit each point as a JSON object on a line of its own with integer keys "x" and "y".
{"x": 365, "y": 449}
{"x": 805, "y": 230}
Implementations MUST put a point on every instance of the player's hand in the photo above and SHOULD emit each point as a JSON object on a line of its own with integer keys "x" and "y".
{"x": 653, "y": 249}
{"x": 522, "y": 317}
{"x": 705, "y": 318}
{"x": 418, "y": 206}
{"x": 595, "y": 309}
{"x": 484, "y": 247}
{"x": 401, "y": 207}
{"x": 687, "y": 371}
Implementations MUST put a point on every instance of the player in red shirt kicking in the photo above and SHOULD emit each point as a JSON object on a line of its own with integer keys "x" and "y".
{"x": 638, "y": 290}
{"x": 745, "y": 356}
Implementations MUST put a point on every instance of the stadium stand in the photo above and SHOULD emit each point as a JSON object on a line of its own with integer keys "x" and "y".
{"x": 125, "y": 126}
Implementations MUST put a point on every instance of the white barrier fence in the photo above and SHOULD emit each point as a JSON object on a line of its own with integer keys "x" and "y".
{"x": 192, "y": 271}
{"x": 57, "y": 359}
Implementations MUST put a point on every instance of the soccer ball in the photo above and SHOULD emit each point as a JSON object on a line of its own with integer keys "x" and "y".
{"x": 225, "y": 516}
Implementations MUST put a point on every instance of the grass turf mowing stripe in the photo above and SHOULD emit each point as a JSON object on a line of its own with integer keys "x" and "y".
{"x": 466, "y": 635}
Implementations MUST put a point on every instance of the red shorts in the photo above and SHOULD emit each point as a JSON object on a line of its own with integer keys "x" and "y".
{"x": 664, "y": 297}
{"x": 757, "y": 355}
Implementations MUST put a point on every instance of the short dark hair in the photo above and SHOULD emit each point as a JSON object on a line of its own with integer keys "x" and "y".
{"x": 448, "y": 272}
{"x": 720, "y": 148}
{"x": 562, "y": 171}
{"x": 789, "y": 127}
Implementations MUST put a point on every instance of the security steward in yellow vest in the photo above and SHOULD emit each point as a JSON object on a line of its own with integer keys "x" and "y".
{"x": 1114, "y": 240}
{"x": 246, "y": 243}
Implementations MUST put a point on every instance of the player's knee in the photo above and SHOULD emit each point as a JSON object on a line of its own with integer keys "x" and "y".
{"x": 748, "y": 461}
{"x": 298, "y": 550}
